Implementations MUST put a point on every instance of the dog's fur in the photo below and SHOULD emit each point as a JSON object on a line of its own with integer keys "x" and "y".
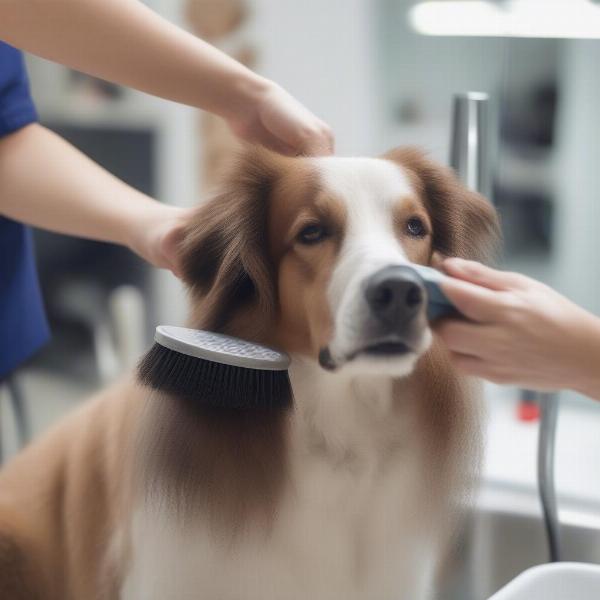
{"x": 350, "y": 495}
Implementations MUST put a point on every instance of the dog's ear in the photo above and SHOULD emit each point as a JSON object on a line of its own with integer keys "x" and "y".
{"x": 224, "y": 253}
{"x": 464, "y": 223}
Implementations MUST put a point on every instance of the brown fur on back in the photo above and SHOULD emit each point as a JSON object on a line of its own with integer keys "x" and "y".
{"x": 17, "y": 572}
{"x": 62, "y": 498}
{"x": 230, "y": 464}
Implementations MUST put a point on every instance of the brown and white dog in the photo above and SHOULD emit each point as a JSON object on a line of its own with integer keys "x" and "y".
{"x": 349, "y": 495}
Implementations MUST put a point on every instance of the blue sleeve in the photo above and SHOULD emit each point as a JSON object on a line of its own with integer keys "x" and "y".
{"x": 16, "y": 106}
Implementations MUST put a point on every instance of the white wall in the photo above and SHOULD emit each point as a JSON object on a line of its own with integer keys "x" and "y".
{"x": 178, "y": 166}
{"x": 577, "y": 173}
{"x": 426, "y": 72}
{"x": 323, "y": 53}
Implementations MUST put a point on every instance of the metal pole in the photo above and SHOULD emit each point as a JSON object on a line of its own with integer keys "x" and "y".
{"x": 469, "y": 147}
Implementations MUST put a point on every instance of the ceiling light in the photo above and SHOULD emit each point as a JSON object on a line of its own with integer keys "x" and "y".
{"x": 512, "y": 18}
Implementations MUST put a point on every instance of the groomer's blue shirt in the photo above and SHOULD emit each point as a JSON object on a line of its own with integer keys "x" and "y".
{"x": 23, "y": 326}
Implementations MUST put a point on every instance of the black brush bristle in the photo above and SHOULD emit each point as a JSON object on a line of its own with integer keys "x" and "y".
{"x": 213, "y": 384}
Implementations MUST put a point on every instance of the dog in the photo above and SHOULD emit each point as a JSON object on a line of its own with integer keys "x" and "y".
{"x": 353, "y": 493}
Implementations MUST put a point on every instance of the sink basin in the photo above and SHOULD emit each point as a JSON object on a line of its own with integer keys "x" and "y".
{"x": 560, "y": 581}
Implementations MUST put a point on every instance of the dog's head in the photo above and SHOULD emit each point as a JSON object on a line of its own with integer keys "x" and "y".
{"x": 310, "y": 254}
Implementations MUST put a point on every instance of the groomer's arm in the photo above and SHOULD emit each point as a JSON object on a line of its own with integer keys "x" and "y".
{"x": 47, "y": 183}
{"x": 125, "y": 42}
{"x": 520, "y": 331}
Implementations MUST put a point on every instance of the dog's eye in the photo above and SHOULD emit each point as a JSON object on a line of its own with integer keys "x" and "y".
{"x": 416, "y": 227}
{"x": 312, "y": 234}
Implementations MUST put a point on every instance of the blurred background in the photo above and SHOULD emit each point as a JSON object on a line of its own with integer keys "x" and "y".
{"x": 382, "y": 73}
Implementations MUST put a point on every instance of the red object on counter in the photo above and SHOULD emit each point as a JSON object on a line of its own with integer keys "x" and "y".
{"x": 528, "y": 410}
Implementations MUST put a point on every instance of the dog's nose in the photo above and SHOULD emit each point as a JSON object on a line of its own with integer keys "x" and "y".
{"x": 395, "y": 294}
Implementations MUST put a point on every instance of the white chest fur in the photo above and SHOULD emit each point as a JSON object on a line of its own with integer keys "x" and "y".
{"x": 350, "y": 526}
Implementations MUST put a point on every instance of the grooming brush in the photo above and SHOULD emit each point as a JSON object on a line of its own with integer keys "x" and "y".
{"x": 216, "y": 370}
{"x": 438, "y": 305}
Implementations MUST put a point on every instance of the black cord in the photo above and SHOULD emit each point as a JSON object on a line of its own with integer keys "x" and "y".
{"x": 545, "y": 472}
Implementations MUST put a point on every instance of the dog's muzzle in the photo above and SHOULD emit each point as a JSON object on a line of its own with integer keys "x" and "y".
{"x": 395, "y": 296}
{"x": 395, "y": 299}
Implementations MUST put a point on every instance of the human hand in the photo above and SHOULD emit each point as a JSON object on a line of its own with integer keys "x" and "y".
{"x": 520, "y": 331}
{"x": 275, "y": 119}
{"x": 157, "y": 235}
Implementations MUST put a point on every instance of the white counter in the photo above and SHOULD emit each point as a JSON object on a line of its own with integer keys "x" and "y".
{"x": 509, "y": 479}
